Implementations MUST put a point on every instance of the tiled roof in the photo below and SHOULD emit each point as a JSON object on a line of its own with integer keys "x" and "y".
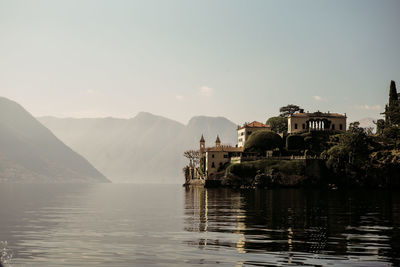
{"x": 254, "y": 124}
{"x": 318, "y": 114}
{"x": 224, "y": 149}
{"x": 300, "y": 115}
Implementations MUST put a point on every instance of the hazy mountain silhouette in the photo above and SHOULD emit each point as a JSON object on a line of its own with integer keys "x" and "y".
{"x": 146, "y": 148}
{"x": 29, "y": 152}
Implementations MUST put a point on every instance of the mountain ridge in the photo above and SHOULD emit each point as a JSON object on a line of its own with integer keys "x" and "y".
{"x": 31, "y": 152}
{"x": 145, "y": 148}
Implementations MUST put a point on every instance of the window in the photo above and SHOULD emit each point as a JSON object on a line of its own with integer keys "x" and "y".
{"x": 295, "y": 125}
{"x": 212, "y": 155}
{"x": 212, "y": 165}
{"x": 340, "y": 126}
{"x": 304, "y": 126}
{"x": 248, "y": 133}
{"x": 220, "y": 164}
{"x": 225, "y": 156}
{"x": 242, "y": 133}
{"x": 333, "y": 126}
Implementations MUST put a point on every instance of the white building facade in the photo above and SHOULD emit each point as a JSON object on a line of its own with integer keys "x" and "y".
{"x": 317, "y": 121}
{"x": 247, "y": 129}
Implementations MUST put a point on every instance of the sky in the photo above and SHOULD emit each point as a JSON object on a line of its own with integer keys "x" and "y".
{"x": 181, "y": 58}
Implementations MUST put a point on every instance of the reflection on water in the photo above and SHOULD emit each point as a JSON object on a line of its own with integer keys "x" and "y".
{"x": 295, "y": 226}
{"x": 167, "y": 225}
{"x": 5, "y": 253}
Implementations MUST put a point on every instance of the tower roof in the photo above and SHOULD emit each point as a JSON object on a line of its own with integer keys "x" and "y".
{"x": 217, "y": 141}
{"x": 202, "y": 139}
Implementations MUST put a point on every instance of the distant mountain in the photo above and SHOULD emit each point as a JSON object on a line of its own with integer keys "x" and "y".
{"x": 146, "y": 148}
{"x": 29, "y": 152}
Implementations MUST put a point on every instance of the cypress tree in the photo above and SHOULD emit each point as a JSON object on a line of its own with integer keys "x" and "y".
{"x": 393, "y": 93}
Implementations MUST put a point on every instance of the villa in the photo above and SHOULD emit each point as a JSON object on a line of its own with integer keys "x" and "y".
{"x": 247, "y": 129}
{"x": 212, "y": 161}
{"x": 317, "y": 121}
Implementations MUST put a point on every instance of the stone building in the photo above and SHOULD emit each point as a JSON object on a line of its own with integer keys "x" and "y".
{"x": 212, "y": 159}
{"x": 317, "y": 121}
{"x": 247, "y": 129}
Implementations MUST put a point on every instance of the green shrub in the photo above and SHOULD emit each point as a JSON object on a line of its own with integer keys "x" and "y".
{"x": 295, "y": 142}
{"x": 318, "y": 141}
{"x": 261, "y": 141}
{"x": 278, "y": 124}
{"x": 252, "y": 168}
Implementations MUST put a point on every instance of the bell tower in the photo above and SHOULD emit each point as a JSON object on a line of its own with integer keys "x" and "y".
{"x": 217, "y": 142}
{"x": 202, "y": 144}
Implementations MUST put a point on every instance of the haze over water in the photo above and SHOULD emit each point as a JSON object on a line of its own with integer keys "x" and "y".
{"x": 167, "y": 225}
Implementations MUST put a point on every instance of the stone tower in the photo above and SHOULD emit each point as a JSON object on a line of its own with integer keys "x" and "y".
{"x": 217, "y": 142}
{"x": 202, "y": 144}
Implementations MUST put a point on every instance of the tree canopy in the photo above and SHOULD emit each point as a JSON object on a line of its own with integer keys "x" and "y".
{"x": 289, "y": 110}
{"x": 352, "y": 150}
{"x": 392, "y": 109}
{"x": 278, "y": 124}
{"x": 261, "y": 141}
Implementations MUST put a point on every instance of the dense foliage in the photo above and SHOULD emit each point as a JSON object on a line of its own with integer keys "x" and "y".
{"x": 264, "y": 173}
{"x": 261, "y": 141}
{"x": 351, "y": 152}
{"x": 289, "y": 110}
{"x": 392, "y": 109}
{"x": 361, "y": 158}
{"x": 316, "y": 142}
{"x": 278, "y": 124}
{"x": 356, "y": 157}
{"x": 295, "y": 142}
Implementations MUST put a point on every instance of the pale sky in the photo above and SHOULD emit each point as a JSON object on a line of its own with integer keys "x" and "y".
{"x": 238, "y": 59}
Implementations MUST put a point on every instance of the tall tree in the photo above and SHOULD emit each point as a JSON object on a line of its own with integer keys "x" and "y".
{"x": 392, "y": 110}
{"x": 352, "y": 151}
{"x": 193, "y": 156}
{"x": 278, "y": 124}
{"x": 393, "y": 97}
{"x": 288, "y": 110}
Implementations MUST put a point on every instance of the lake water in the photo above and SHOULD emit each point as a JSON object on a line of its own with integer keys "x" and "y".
{"x": 168, "y": 225}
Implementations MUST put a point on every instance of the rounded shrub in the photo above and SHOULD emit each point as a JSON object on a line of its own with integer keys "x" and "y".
{"x": 261, "y": 141}
{"x": 295, "y": 142}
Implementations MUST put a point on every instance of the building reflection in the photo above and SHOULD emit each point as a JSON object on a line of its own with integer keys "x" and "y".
{"x": 215, "y": 211}
{"x": 293, "y": 220}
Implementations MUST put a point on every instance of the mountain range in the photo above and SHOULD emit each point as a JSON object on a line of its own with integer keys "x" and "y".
{"x": 146, "y": 148}
{"x": 29, "y": 152}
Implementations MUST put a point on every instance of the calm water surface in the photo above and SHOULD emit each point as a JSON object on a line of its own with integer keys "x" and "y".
{"x": 167, "y": 225}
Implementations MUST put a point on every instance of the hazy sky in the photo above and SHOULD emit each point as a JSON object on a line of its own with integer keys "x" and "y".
{"x": 238, "y": 59}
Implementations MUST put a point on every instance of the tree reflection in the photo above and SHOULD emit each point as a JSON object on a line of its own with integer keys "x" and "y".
{"x": 362, "y": 224}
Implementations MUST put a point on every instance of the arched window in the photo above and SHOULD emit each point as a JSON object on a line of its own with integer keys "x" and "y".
{"x": 212, "y": 165}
